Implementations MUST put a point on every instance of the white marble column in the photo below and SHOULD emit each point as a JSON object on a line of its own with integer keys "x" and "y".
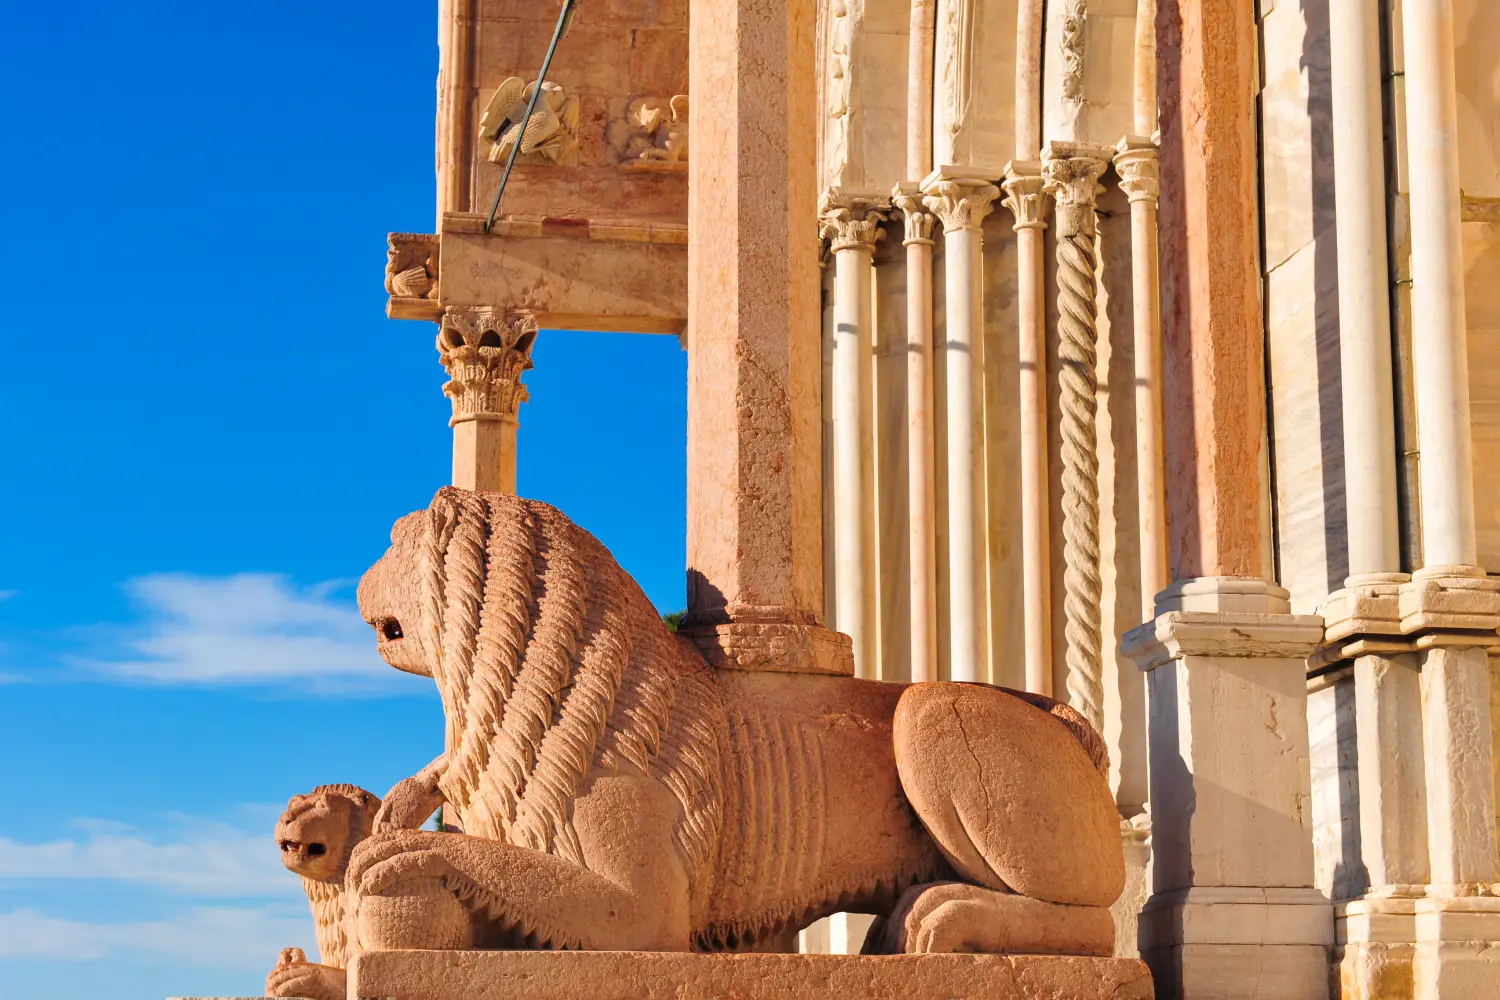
{"x": 921, "y": 482}
{"x": 1439, "y": 336}
{"x": 1450, "y": 604}
{"x": 1136, "y": 162}
{"x": 484, "y": 351}
{"x": 1028, "y": 203}
{"x": 961, "y": 202}
{"x": 852, "y": 226}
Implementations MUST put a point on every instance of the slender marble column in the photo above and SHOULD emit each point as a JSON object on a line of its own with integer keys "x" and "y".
{"x": 961, "y": 203}
{"x": 1028, "y": 203}
{"x": 484, "y": 351}
{"x": 852, "y": 226}
{"x": 1137, "y": 164}
{"x": 1368, "y": 389}
{"x": 921, "y": 482}
{"x": 1440, "y": 340}
{"x": 1072, "y": 172}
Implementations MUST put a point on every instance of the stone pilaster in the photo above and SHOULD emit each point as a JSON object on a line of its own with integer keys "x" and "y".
{"x": 485, "y": 350}
{"x": 1233, "y": 913}
{"x": 961, "y": 203}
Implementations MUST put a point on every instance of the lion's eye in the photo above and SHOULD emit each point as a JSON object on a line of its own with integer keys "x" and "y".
{"x": 390, "y": 629}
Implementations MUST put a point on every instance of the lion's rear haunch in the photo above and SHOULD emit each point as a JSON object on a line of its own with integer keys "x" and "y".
{"x": 550, "y": 661}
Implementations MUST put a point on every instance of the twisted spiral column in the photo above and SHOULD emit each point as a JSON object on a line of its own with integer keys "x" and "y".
{"x": 1072, "y": 172}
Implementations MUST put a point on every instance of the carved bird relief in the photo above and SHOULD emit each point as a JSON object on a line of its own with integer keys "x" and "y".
{"x": 551, "y": 133}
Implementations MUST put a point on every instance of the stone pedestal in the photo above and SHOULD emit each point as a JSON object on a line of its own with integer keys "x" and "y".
{"x": 633, "y": 975}
{"x": 1233, "y": 912}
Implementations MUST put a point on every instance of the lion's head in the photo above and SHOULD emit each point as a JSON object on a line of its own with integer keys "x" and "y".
{"x": 319, "y": 830}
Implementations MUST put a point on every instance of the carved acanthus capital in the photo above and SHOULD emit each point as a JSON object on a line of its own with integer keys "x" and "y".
{"x": 851, "y": 222}
{"x": 1025, "y": 195}
{"x": 1071, "y": 171}
{"x": 960, "y": 202}
{"x": 1137, "y": 163}
{"x": 485, "y": 350}
{"x": 919, "y": 221}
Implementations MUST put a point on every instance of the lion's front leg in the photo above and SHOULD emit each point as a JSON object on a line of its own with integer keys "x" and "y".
{"x": 417, "y": 889}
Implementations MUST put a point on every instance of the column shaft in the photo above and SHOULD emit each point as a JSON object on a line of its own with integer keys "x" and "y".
{"x": 754, "y": 490}
{"x": 1072, "y": 172}
{"x": 921, "y": 481}
{"x": 1439, "y": 331}
{"x": 1028, "y": 204}
{"x": 1138, "y": 167}
{"x": 962, "y": 203}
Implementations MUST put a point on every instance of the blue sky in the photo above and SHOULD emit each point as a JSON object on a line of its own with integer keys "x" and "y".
{"x": 207, "y": 427}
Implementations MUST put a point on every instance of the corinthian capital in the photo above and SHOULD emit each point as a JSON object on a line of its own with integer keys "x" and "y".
{"x": 485, "y": 350}
{"x": 1071, "y": 171}
{"x": 1024, "y": 194}
{"x": 1136, "y": 161}
{"x": 851, "y": 222}
{"x": 919, "y": 221}
{"x": 960, "y": 202}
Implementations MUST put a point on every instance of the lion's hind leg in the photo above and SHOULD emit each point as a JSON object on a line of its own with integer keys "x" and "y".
{"x": 1008, "y": 794}
{"x": 946, "y": 917}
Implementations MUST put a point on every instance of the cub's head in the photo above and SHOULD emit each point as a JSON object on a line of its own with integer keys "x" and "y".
{"x": 319, "y": 830}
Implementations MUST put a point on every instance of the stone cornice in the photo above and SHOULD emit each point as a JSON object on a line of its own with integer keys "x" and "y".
{"x": 851, "y": 222}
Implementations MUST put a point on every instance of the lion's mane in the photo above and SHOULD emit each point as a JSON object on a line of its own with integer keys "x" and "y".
{"x": 551, "y": 661}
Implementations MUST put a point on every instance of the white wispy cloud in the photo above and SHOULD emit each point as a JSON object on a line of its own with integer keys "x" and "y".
{"x": 246, "y": 938}
{"x": 6, "y": 595}
{"x": 245, "y": 629}
{"x": 204, "y": 857}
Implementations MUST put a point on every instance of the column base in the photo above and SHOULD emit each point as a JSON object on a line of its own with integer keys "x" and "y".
{"x": 777, "y": 647}
{"x": 1457, "y": 954}
{"x": 1376, "y": 946}
{"x": 1238, "y": 943}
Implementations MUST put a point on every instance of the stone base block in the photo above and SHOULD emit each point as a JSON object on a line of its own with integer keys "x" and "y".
{"x": 1239, "y": 971}
{"x": 637, "y": 975}
{"x": 1458, "y": 949}
{"x": 786, "y": 648}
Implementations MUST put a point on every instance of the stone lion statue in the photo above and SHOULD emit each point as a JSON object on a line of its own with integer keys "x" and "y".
{"x": 614, "y": 792}
{"x": 316, "y": 834}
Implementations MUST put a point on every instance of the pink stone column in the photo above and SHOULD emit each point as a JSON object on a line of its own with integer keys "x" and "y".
{"x": 754, "y": 534}
{"x": 1233, "y": 911}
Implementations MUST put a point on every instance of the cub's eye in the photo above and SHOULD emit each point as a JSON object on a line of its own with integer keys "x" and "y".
{"x": 389, "y": 629}
{"x": 317, "y": 850}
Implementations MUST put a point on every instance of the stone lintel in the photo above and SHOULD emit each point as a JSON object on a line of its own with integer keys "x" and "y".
{"x": 1232, "y": 915}
{"x": 775, "y": 647}
{"x": 624, "y": 975}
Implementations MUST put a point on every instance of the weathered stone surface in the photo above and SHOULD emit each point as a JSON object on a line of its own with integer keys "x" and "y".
{"x": 520, "y": 975}
{"x": 617, "y": 793}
